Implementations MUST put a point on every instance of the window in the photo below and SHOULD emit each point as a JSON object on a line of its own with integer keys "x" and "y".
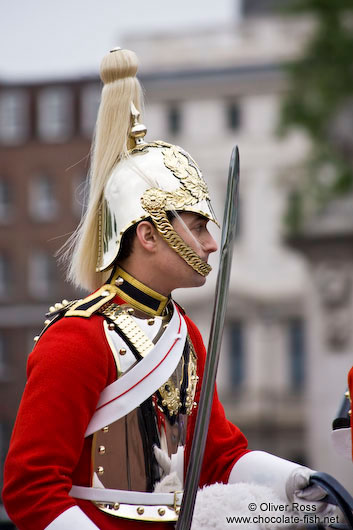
{"x": 5, "y": 434}
{"x": 13, "y": 116}
{"x": 237, "y": 372}
{"x": 5, "y": 201}
{"x": 89, "y": 107}
{"x": 5, "y": 276}
{"x": 42, "y": 275}
{"x": 3, "y": 354}
{"x": 55, "y": 120}
{"x": 174, "y": 119}
{"x": 42, "y": 202}
{"x": 262, "y": 7}
{"x": 233, "y": 115}
{"x": 296, "y": 353}
{"x": 29, "y": 339}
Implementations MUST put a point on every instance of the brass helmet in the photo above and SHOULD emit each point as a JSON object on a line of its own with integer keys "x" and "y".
{"x": 154, "y": 178}
{"x": 132, "y": 180}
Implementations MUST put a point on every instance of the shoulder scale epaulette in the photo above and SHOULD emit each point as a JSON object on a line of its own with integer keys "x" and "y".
{"x": 121, "y": 320}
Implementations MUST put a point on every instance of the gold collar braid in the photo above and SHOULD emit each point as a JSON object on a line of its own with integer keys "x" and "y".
{"x": 137, "y": 294}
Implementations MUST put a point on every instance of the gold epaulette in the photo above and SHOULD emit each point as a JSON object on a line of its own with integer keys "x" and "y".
{"x": 55, "y": 312}
{"x": 85, "y": 307}
{"x": 90, "y": 305}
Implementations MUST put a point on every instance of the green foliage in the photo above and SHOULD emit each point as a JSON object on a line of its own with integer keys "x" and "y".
{"x": 321, "y": 90}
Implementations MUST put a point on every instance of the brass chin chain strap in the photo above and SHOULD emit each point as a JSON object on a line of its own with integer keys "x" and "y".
{"x": 152, "y": 203}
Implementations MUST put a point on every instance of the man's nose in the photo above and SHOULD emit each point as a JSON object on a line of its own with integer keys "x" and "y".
{"x": 210, "y": 244}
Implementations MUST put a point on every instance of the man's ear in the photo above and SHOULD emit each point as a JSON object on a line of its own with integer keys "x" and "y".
{"x": 147, "y": 235}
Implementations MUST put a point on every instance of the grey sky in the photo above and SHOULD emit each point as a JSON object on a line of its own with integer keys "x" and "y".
{"x": 45, "y": 38}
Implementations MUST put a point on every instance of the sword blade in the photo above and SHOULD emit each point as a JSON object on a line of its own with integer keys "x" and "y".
{"x": 214, "y": 345}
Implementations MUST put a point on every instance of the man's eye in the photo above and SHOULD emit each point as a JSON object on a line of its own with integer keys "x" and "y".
{"x": 198, "y": 228}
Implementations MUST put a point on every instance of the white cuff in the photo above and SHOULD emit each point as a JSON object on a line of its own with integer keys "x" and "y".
{"x": 72, "y": 519}
{"x": 342, "y": 442}
{"x": 263, "y": 468}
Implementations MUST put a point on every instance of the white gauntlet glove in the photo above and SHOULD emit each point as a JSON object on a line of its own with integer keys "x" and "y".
{"x": 288, "y": 480}
{"x": 299, "y": 491}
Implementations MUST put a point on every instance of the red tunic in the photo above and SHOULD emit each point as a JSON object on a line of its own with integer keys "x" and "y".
{"x": 67, "y": 370}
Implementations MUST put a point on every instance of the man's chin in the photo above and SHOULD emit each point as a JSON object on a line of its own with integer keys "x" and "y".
{"x": 199, "y": 280}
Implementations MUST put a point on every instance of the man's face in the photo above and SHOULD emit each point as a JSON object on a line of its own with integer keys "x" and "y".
{"x": 192, "y": 228}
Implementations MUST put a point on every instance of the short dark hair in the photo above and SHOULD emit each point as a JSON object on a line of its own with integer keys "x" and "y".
{"x": 126, "y": 243}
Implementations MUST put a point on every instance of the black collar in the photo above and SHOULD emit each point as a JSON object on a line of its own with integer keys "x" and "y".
{"x": 137, "y": 294}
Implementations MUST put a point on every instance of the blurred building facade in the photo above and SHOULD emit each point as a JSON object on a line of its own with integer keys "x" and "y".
{"x": 205, "y": 91}
{"x": 44, "y": 145}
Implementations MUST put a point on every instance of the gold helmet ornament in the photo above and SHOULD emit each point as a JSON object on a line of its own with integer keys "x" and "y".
{"x": 133, "y": 180}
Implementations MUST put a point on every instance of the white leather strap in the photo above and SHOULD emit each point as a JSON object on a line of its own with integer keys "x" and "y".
{"x": 72, "y": 519}
{"x": 110, "y": 496}
{"x": 134, "y": 387}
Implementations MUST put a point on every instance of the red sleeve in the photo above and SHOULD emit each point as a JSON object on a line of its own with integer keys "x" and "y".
{"x": 350, "y": 388}
{"x": 225, "y": 442}
{"x": 67, "y": 370}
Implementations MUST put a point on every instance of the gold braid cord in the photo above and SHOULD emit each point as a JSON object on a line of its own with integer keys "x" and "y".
{"x": 191, "y": 191}
{"x": 165, "y": 229}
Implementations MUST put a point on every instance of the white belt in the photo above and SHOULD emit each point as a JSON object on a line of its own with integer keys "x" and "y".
{"x": 112, "y": 496}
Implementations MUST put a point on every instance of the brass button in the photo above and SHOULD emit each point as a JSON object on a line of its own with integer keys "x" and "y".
{"x": 140, "y": 510}
{"x": 116, "y": 506}
{"x": 105, "y": 429}
{"x": 101, "y": 450}
{"x": 161, "y": 511}
{"x": 130, "y": 310}
{"x": 36, "y": 338}
{"x": 111, "y": 325}
{"x": 47, "y": 322}
{"x": 119, "y": 281}
{"x": 100, "y": 470}
{"x": 122, "y": 351}
{"x": 150, "y": 321}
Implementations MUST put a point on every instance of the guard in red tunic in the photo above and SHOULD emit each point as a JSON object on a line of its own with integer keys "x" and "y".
{"x": 104, "y": 429}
